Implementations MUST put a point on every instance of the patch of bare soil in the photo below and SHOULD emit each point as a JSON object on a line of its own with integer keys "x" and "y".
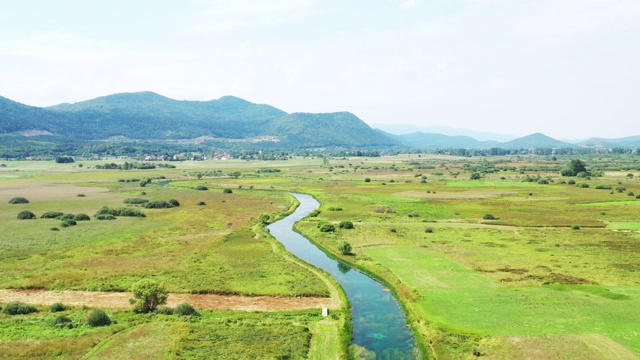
{"x": 200, "y": 301}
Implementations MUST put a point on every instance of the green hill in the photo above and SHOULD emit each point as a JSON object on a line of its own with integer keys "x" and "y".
{"x": 536, "y": 140}
{"x": 149, "y": 116}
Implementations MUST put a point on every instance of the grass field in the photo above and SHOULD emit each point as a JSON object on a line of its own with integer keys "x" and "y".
{"x": 228, "y": 335}
{"x": 553, "y": 273}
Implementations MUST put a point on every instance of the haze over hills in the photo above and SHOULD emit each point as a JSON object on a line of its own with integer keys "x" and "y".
{"x": 147, "y": 116}
{"x": 404, "y": 129}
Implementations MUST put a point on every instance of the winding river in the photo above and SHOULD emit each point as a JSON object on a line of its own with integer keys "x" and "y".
{"x": 379, "y": 324}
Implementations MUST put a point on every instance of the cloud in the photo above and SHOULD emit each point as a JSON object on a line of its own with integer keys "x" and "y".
{"x": 564, "y": 20}
{"x": 229, "y": 15}
{"x": 410, "y": 4}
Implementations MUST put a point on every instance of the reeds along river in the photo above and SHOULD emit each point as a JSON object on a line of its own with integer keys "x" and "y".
{"x": 379, "y": 324}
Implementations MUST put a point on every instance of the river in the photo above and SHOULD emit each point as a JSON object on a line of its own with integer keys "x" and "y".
{"x": 379, "y": 324}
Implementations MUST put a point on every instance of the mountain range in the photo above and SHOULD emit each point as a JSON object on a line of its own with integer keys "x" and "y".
{"x": 147, "y": 116}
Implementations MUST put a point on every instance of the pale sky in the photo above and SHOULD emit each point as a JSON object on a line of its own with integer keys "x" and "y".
{"x": 566, "y": 68}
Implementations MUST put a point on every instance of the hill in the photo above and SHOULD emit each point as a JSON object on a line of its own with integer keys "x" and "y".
{"x": 536, "y": 140}
{"x": 149, "y": 116}
{"x": 439, "y": 141}
{"x": 406, "y": 129}
{"x": 626, "y": 142}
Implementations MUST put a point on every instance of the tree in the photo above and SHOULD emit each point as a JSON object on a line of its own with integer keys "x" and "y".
{"x": 235, "y": 174}
{"x": 147, "y": 296}
{"x": 345, "y": 248}
{"x": 574, "y": 168}
{"x": 64, "y": 159}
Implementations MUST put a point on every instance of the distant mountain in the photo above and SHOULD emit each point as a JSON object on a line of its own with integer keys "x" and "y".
{"x": 404, "y": 129}
{"x": 439, "y": 141}
{"x": 536, "y": 140}
{"x": 149, "y": 116}
{"x": 626, "y": 142}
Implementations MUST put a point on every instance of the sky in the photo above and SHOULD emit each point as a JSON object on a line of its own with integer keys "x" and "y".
{"x": 567, "y": 68}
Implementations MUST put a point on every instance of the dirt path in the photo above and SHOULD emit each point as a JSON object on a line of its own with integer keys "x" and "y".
{"x": 205, "y": 301}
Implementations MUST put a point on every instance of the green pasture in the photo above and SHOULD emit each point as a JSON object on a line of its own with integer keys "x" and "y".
{"x": 555, "y": 274}
{"x": 214, "y": 334}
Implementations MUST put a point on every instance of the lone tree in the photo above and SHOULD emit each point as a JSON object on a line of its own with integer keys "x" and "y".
{"x": 345, "y": 248}
{"x": 574, "y": 168}
{"x": 147, "y": 296}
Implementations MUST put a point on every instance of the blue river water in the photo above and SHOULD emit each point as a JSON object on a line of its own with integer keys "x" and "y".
{"x": 379, "y": 324}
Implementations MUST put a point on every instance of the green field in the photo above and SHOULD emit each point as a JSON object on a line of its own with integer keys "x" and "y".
{"x": 553, "y": 273}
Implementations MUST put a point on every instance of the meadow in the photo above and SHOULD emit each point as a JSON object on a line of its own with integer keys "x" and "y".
{"x": 519, "y": 262}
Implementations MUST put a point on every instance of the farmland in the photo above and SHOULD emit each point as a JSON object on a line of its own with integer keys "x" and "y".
{"x": 553, "y": 272}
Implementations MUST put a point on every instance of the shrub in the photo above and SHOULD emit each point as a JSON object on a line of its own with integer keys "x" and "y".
{"x": 344, "y": 247}
{"x": 264, "y": 218}
{"x": 57, "y": 307}
{"x": 135, "y": 201}
{"x": 18, "y": 200}
{"x": 638, "y": 196}
{"x": 97, "y": 318}
{"x": 201, "y": 203}
{"x": 475, "y": 176}
{"x": 67, "y": 217}
{"x": 428, "y": 230}
{"x": 52, "y": 215}
{"x": 414, "y": 214}
{"x": 335, "y": 208}
{"x": 18, "y": 308}
{"x": 327, "y": 228}
{"x": 571, "y": 182}
{"x": 82, "y": 217}
{"x": 345, "y": 225}
{"x": 54, "y": 229}
{"x": 621, "y": 189}
{"x": 367, "y": 180}
{"x": 145, "y": 182}
{"x": 174, "y": 202}
{"x": 630, "y": 193}
{"x": 227, "y": 191}
{"x": 164, "y": 310}
{"x": 575, "y": 227}
{"x": 68, "y": 223}
{"x": 147, "y": 295}
{"x": 80, "y": 195}
{"x": 603, "y": 187}
{"x": 584, "y": 185}
{"x": 120, "y": 212}
{"x": 158, "y": 204}
{"x": 62, "y": 321}
{"x": 185, "y": 310}
{"x": 489, "y": 217}
{"x": 26, "y": 215}
{"x": 315, "y": 213}
{"x": 393, "y": 230}
{"x": 105, "y": 217}
{"x": 201, "y": 188}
